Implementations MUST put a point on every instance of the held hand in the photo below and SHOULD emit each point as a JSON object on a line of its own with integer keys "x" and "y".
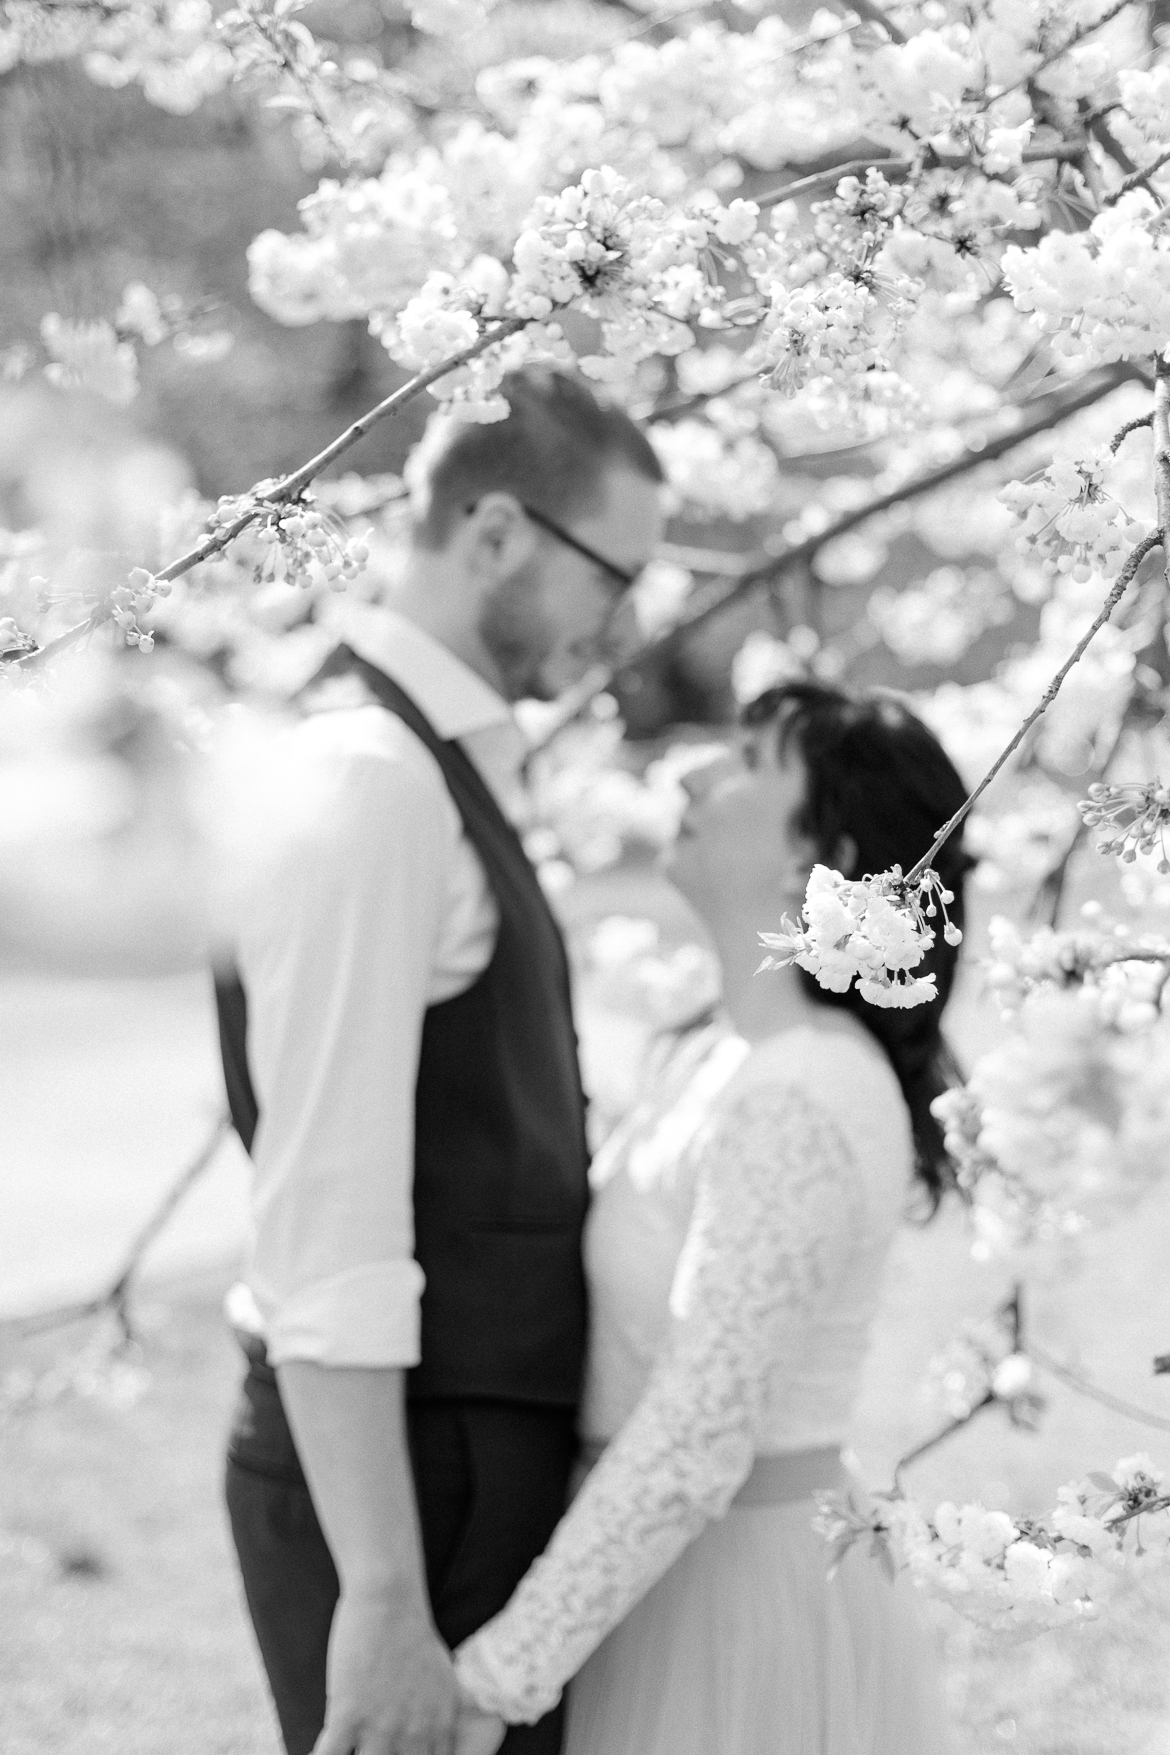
{"x": 477, "y": 1732}
{"x": 390, "y": 1683}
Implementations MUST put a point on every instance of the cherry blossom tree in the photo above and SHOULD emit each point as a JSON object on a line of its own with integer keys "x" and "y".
{"x": 872, "y": 275}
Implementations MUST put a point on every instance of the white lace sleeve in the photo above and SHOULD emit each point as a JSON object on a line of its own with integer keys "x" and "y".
{"x": 777, "y": 1202}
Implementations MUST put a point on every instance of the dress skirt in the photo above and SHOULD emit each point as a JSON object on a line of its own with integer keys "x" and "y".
{"x": 745, "y": 1647}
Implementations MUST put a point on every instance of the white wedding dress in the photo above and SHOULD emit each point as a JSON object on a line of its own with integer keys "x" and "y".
{"x": 735, "y": 1250}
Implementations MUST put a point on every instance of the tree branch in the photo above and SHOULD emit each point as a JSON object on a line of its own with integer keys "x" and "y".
{"x": 1116, "y": 592}
{"x": 1138, "y": 179}
{"x": 1135, "y": 176}
{"x": 936, "y": 1438}
{"x": 291, "y": 486}
{"x": 894, "y": 168}
{"x": 1078, "y": 36}
{"x": 1050, "y": 410}
{"x": 1131, "y": 426}
{"x": 874, "y": 13}
{"x": 1083, "y": 1386}
{"x": 1161, "y": 422}
{"x": 764, "y": 569}
{"x": 1049, "y": 892}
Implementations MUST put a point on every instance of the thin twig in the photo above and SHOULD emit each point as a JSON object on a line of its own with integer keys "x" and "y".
{"x": 1161, "y": 425}
{"x": 166, "y": 1206}
{"x": 829, "y": 179}
{"x": 1116, "y": 591}
{"x": 1049, "y": 891}
{"x": 1131, "y": 426}
{"x": 895, "y": 168}
{"x": 662, "y": 18}
{"x": 1134, "y": 175}
{"x": 270, "y": 31}
{"x": 291, "y": 485}
{"x": 874, "y": 13}
{"x": 1137, "y": 179}
{"x": 1146, "y": 1510}
{"x": 1084, "y": 1386}
{"x": 1078, "y": 36}
{"x": 115, "y": 1295}
{"x": 944, "y": 1432}
{"x": 766, "y": 569}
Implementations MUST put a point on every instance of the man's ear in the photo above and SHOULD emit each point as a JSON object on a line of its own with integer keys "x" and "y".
{"x": 845, "y": 857}
{"x": 497, "y": 537}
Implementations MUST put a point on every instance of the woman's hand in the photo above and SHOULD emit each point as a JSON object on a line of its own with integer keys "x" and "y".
{"x": 476, "y": 1732}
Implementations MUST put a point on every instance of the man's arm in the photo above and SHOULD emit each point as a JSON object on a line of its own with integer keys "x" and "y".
{"x": 391, "y": 1684}
{"x": 336, "y": 956}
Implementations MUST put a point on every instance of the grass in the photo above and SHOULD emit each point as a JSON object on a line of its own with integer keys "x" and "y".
{"x": 121, "y": 1624}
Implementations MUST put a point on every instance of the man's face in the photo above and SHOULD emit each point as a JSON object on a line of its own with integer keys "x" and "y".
{"x": 549, "y": 620}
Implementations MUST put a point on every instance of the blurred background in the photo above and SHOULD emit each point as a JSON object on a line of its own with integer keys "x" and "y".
{"x": 120, "y": 1620}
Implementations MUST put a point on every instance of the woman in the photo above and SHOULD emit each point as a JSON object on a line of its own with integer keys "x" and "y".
{"x": 735, "y": 1249}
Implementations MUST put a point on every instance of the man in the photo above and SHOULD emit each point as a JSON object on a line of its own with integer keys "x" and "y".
{"x": 401, "y": 1028}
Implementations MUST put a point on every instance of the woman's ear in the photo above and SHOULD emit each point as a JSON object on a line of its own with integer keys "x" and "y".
{"x": 845, "y": 857}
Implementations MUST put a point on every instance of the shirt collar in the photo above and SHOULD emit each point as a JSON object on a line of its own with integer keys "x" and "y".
{"x": 457, "y": 702}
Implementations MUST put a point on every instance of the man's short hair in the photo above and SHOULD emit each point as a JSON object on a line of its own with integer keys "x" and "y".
{"x": 551, "y": 452}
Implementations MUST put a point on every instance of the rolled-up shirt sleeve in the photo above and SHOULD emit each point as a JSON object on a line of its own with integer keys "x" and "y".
{"x": 335, "y": 949}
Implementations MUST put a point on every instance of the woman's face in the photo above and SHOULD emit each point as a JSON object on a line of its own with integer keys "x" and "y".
{"x": 741, "y": 847}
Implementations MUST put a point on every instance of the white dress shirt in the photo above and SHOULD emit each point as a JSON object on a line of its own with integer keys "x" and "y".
{"x": 374, "y": 910}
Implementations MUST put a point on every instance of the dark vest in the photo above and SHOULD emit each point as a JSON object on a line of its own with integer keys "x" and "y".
{"x": 500, "y": 1158}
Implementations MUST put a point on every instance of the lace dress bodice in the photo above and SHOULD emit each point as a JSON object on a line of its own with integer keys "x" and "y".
{"x": 735, "y": 1247}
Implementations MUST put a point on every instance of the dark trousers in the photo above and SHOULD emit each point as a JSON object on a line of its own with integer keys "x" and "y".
{"x": 491, "y": 1480}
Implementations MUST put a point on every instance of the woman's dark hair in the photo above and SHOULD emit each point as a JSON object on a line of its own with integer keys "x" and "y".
{"x": 877, "y": 776}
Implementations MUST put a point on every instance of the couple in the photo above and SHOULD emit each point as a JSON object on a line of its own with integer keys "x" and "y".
{"x": 401, "y": 1063}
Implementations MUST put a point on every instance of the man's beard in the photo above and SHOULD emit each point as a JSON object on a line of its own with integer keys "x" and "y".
{"x": 516, "y": 636}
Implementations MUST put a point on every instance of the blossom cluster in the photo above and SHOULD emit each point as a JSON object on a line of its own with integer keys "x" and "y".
{"x": 1101, "y": 294}
{"x": 1115, "y": 972}
{"x": 983, "y": 1365}
{"x": 626, "y": 259}
{"x": 1133, "y": 817}
{"x": 832, "y": 330}
{"x": 634, "y": 969}
{"x": 392, "y": 249}
{"x": 872, "y": 930}
{"x": 89, "y": 356}
{"x": 302, "y": 544}
{"x": 937, "y": 619}
{"x": 1072, "y": 519}
{"x": 826, "y": 302}
{"x": 1012, "y": 1574}
{"x": 102, "y": 356}
{"x": 170, "y": 47}
{"x": 716, "y": 473}
{"x": 131, "y": 602}
{"x": 587, "y": 805}
{"x": 1066, "y": 1120}
{"x": 1034, "y": 824}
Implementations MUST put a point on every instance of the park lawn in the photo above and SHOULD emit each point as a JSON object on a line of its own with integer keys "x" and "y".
{"x": 122, "y": 1628}
{"x": 121, "y": 1621}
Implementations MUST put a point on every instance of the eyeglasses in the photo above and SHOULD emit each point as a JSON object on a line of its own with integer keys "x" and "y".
{"x": 625, "y": 578}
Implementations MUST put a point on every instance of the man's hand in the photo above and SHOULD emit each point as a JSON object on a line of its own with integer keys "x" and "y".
{"x": 391, "y": 1684}
{"x": 477, "y": 1732}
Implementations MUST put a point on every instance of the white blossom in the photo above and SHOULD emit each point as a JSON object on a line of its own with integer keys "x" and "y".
{"x": 89, "y": 356}
{"x": 869, "y": 930}
{"x": 1102, "y": 294}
